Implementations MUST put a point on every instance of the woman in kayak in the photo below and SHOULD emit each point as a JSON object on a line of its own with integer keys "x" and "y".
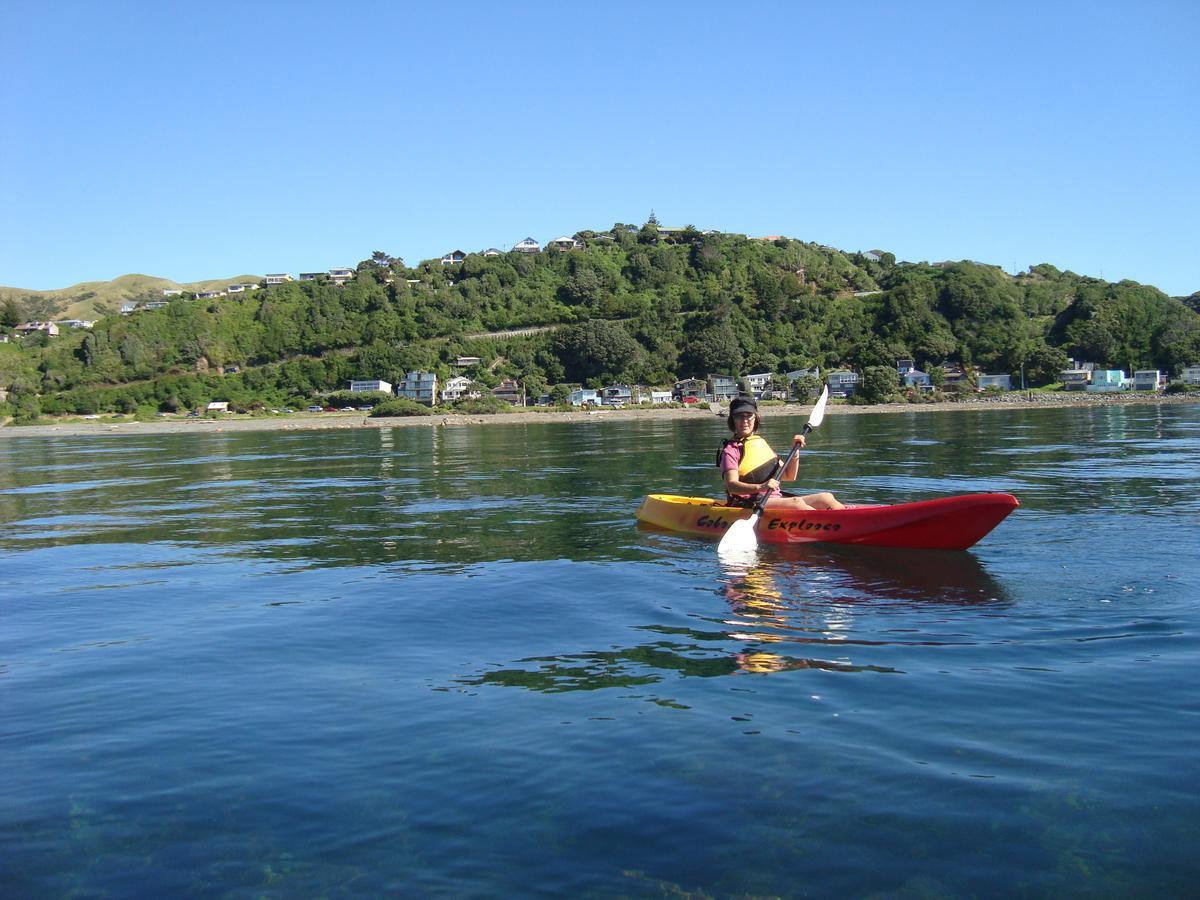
{"x": 747, "y": 461}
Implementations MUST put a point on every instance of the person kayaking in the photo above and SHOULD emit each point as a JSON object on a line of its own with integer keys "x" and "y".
{"x": 746, "y": 462}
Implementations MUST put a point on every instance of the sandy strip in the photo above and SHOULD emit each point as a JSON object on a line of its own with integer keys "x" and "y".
{"x": 325, "y": 421}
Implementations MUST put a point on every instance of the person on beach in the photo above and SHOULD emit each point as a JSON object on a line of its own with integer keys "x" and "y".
{"x": 747, "y": 463}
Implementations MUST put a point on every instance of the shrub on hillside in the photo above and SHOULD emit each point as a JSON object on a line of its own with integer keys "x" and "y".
{"x": 355, "y": 398}
{"x": 485, "y": 404}
{"x": 25, "y": 406}
{"x": 401, "y": 406}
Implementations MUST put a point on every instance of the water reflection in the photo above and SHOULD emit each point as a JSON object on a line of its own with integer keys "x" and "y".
{"x": 795, "y": 597}
{"x": 886, "y": 574}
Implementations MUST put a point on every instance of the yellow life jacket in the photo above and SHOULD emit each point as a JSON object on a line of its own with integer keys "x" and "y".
{"x": 758, "y": 459}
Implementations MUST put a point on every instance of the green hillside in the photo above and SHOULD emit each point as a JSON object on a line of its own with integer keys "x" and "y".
{"x": 629, "y": 304}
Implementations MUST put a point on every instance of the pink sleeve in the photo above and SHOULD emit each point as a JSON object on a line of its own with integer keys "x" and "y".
{"x": 731, "y": 456}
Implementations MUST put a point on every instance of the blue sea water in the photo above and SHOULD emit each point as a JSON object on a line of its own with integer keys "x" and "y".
{"x": 445, "y": 662}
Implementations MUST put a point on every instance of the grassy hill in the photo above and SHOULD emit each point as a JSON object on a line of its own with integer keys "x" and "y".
{"x": 92, "y": 299}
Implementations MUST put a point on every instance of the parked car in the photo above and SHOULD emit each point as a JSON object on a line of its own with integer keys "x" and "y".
{"x": 314, "y": 409}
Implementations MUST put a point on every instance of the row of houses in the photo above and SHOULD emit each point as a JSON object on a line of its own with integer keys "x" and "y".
{"x": 718, "y": 388}
{"x": 618, "y": 395}
{"x": 841, "y": 382}
{"x": 338, "y": 276}
{"x": 564, "y": 244}
{"x": 529, "y": 245}
{"x": 50, "y": 328}
{"x": 1084, "y": 376}
{"x": 422, "y": 387}
{"x": 1079, "y": 377}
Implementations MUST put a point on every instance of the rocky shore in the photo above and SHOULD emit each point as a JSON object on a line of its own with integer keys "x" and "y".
{"x": 324, "y": 421}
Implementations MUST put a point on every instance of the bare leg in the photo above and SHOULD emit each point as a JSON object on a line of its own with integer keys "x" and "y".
{"x": 823, "y": 500}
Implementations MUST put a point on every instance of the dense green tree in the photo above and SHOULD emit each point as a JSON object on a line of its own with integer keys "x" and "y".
{"x": 706, "y": 257}
{"x": 10, "y": 313}
{"x": 584, "y": 287}
{"x": 535, "y": 386}
{"x": 1177, "y": 342}
{"x": 878, "y": 384}
{"x": 712, "y": 349}
{"x": 1043, "y": 365}
{"x": 983, "y": 308}
{"x": 379, "y": 260}
{"x": 807, "y": 387}
{"x": 25, "y": 404}
{"x": 762, "y": 360}
{"x": 597, "y": 350}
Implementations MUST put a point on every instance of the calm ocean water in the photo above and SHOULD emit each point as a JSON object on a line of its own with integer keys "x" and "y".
{"x": 445, "y": 662}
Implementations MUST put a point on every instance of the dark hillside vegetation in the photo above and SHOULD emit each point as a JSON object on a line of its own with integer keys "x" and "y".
{"x": 631, "y": 305}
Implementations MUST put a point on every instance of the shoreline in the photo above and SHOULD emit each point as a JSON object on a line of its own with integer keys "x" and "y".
{"x": 328, "y": 421}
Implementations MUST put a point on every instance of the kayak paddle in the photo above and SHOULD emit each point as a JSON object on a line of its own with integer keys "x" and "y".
{"x": 740, "y": 538}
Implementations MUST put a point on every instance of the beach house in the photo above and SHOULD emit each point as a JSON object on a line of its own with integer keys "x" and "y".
{"x": 419, "y": 386}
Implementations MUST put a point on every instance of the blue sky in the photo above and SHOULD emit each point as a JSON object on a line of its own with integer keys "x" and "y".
{"x": 215, "y": 139}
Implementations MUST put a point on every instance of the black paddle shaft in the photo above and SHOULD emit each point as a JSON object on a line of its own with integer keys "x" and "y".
{"x": 780, "y": 465}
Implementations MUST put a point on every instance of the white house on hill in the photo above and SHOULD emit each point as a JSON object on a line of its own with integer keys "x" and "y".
{"x": 358, "y": 387}
{"x": 456, "y": 388}
{"x": 419, "y": 386}
{"x": 30, "y": 327}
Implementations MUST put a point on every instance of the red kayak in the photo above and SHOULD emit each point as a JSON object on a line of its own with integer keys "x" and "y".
{"x": 946, "y": 523}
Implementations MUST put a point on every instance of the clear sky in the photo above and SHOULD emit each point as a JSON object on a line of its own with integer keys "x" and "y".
{"x": 213, "y": 139}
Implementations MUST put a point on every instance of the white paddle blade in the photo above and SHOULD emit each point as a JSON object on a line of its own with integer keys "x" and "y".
{"x": 740, "y": 538}
{"x": 817, "y": 416}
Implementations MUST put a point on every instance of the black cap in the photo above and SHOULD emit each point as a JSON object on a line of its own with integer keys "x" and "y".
{"x": 742, "y": 404}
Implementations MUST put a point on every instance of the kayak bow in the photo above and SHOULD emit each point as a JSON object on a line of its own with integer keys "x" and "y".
{"x": 945, "y": 523}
